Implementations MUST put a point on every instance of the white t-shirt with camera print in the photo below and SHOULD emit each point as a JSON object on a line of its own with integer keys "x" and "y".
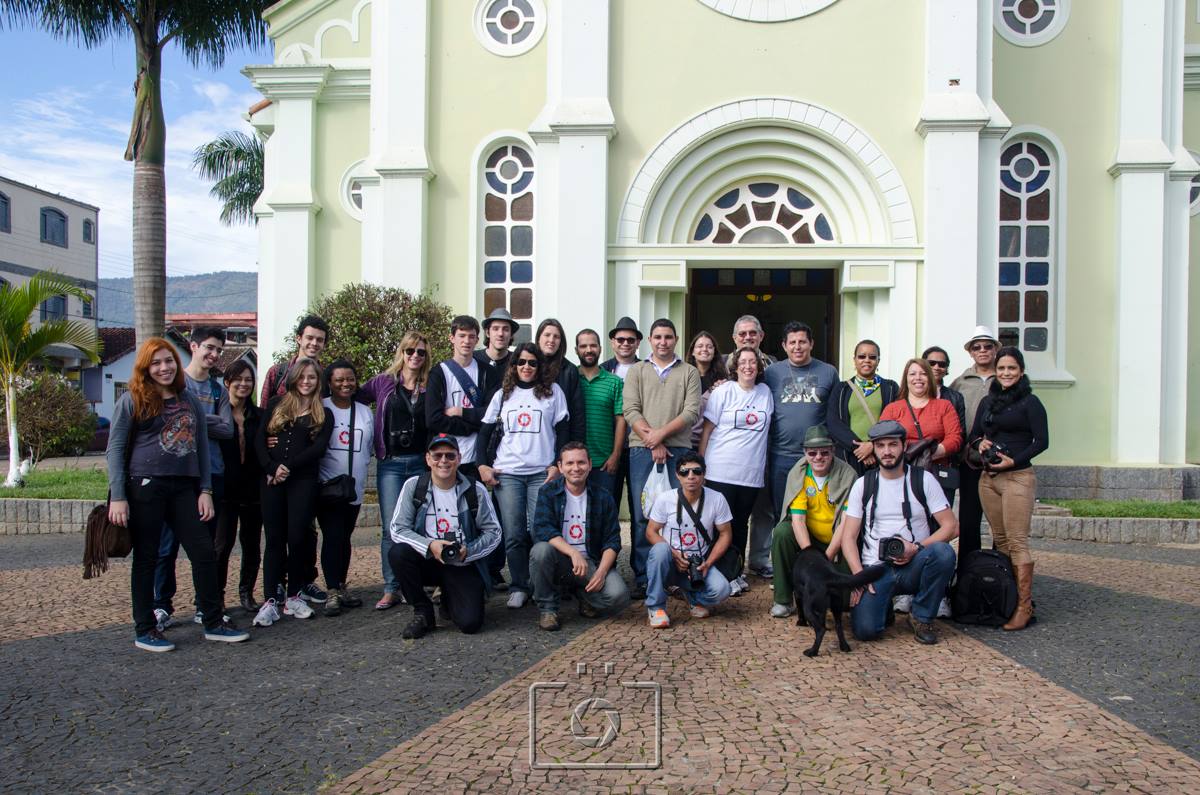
{"x": 527, "y": 446}
{"x": 574, "y": 525}
{"x": 737, "y": 446}
{"x": 681, "y": 534}
{"x": 889, "y": 519}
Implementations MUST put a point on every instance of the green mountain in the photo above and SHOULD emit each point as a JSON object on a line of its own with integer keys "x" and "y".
{"x": 226, "y": 291}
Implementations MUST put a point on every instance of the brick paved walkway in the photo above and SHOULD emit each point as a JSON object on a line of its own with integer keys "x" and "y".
{"x": 1102, "y": 695}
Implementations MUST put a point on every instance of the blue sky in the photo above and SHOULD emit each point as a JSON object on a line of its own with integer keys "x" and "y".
{"x": 64, "y": 128}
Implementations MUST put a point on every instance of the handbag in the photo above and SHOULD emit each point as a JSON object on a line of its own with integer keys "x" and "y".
{"x": 340, "y": 489}
{"x": 920, "y": 453}
{"x": 101, "y": 538}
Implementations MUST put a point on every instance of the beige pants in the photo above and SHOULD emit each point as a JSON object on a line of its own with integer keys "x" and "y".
{"x": 1007, "y": 499}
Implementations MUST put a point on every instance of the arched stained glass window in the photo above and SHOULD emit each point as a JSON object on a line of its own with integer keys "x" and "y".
{"x": 507, "y": 233}
{"x": 1028, "y": 245}
{"x": 763, "y": 211}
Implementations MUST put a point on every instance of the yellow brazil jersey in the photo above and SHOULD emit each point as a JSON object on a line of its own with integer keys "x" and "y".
{"x": 813, "y": 503}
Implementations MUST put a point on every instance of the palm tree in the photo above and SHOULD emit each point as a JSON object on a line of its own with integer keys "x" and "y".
{"x": 234, "y": 162}
{"x": 205, "y": 30}
{"x": 20, "y": 343}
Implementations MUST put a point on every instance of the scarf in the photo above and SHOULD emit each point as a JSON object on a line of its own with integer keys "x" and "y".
{"x": 868, "y": 387}
{"x": 1003, "y": 399}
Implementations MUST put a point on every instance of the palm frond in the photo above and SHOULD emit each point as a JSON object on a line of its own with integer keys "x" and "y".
{"x": 234, "y": 160}
{"x": 89, "y": 22}
{"x": 207, "y": 30}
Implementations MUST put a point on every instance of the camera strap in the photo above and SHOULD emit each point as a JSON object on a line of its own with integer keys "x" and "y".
{"x": 681, "y": 504}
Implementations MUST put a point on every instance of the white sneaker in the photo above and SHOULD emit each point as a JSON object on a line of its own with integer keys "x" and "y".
{"x": 162, "y": 619}
{"x": 268, "y": 614}
{"x": 781, "y": 611}
{"x": 902, "y": 604}
{"x": 944, "y": 609}
{"x": 735, "y": 587}
{"x": 517, "y": 599}
{"x": 297, "y": 608}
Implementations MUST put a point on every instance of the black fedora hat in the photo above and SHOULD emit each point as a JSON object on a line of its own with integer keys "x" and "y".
{"x": 625, "y": 324}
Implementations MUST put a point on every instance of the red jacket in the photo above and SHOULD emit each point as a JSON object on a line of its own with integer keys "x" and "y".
{"x": 938, "y": 420}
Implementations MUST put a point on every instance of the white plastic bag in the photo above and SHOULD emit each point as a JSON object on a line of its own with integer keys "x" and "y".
{"x": 656, "y": 484}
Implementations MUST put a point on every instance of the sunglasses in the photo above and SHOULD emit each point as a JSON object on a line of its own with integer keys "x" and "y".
{"x": 936, "y": 363}
{"x": 444, "y": 456}
{"x": 688, "y": 472}
{"x": 527, "y": 363}
{"x": 415, "y": 352}
{"x": 624, "y": 340}
{"x": 818, "y": 452}
{"x": 870, "y": 357}
{"x": 983, "y": 346}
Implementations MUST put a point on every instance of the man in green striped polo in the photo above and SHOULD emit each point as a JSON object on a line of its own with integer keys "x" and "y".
{"x": 602, "y": 403}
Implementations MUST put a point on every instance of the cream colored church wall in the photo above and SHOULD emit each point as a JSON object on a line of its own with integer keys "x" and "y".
{"x": 290, "y": 25}
{"x": 472, "y": 94}
{"x": 863, "y": 59}
{"x": 1191, "y": 16}
{"x": 1191, "y": 139}
{"x": 342, "y": 138}
{"x": 1068, "y": 86}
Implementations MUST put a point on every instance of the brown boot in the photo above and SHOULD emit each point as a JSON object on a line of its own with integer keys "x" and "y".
{"x": 1023, "y": 615}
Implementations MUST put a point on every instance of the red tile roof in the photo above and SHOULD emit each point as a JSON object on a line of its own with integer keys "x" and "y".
{"x": 117, "y": 341}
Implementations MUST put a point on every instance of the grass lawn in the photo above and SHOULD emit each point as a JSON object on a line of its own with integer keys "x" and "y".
{"x": 1131, "y": 509}
{"x": 62, "y": 484}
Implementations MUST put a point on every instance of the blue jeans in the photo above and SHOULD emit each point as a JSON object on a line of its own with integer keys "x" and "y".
{"x": 517, "y": 495}
{"x": 661, "y": 571}
{"x": 925, "y": 577}
{"x": 604, "y": 481}
{"x": 779, "y": 465}
{"x": 640, "y": 465}
{"x": 168, "y": 552}
{"x": 390, "y": 475}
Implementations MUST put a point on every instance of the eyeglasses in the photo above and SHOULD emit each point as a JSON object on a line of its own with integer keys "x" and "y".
{"x": 750, "y": 333}
{"x": 527, "y": 362}
{"x": 243, "y": 380}
{"x": 870, "y": 357}
{"x": 688, "y": 472}
{"x": 982, "y": 346}
{"x": 444, "y": 456}
{"x": 937, "y": 363}
{"x": 818, "y": 452}
{"x": 625, "y": 340}
{"x": 421, "y": 352}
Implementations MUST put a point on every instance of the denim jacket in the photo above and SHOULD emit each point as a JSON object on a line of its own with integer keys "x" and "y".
{"x": 603, "y": 530}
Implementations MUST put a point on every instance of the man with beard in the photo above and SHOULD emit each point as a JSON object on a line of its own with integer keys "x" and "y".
{"x": 898, "y": 504}
{"x": 602, "y": 406}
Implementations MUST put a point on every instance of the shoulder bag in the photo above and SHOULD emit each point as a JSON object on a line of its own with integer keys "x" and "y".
{"x": 920, "y": 453}
{"x": 340, "y": 489}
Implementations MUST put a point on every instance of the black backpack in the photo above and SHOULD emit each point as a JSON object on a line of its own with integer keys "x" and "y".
{"x": 421, "y": 490}
{"x": 916, "y": 481}
{"x": 986, "y": 590}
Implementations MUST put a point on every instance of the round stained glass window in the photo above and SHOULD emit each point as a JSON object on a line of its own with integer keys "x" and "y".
{"x": 509, "y": 27}
{"x": 1028, "y": 23}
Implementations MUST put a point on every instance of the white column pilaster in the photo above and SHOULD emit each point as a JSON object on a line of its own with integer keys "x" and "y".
{"x": 286, "y": 264}
{"x": 952, "y": 116}
{"x": 394, "y": 229}
{"x": 572, "y": 133}
{"x": 1140, "y": 171}
{"x": 990, "y": 140}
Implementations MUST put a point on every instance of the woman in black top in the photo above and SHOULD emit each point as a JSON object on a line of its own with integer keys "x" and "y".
{"x": 1010, "y": 430}
{"x": 300, "y": 427}
{"x": 158, "y": 471}
{"x": 552, "y": 342}
{"x": 240, "y": 517}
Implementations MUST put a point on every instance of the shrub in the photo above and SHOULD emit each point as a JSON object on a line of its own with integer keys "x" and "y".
{"x": 52, "y": 417}
{"x": 367, "y": 322}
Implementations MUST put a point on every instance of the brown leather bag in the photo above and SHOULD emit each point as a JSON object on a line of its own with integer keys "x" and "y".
{"x": 103, "y": 540}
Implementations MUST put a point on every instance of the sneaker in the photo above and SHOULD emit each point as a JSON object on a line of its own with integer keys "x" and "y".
{"x": 923, "y": 632}
{"x": 153, "y": 641}
{"x": 517, "y": 599}
{"x": 162, "y": 619}
{"x": 700, "y": 611}
{"x": 311, "y": 593}
{"x": 549, "y": 622}
{"x": 902, "y": 604}
{"x": 296, "y": 607}
{"x": 782, "y": 611}
{"x": 766, "y": 572}
{"x": 944, "y": 608}
{"x": 738, "y": 586}
{"x": 348, "y": 599}
{"x": 586, "y": 610}
{"x": 268, "y": 614}
{"x": 498, "y": 582}
{"x": 435, "y": 595}
{"x": 418, "y": 627}
{"x": 659, "y": 619}
{"x": 226, "y": 634}
{"x": 387, "y": 601}
{"x": 333, "y": 605}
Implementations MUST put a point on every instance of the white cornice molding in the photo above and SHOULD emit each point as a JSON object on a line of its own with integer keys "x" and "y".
{"x": 347, "y": 84}
{"x": 406, "y": 172}
{"x": 1140, "y": 157}
{"x": 1191, "y": 67}
{"x": 289, "y": 82}
{"x": 959, "y": 111}
{"x": 998, "y": 125}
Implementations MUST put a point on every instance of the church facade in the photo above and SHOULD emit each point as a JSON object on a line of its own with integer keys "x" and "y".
{"x": 900, "y": 170}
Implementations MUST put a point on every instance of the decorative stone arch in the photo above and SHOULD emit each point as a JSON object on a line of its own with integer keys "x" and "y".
{"x": 770, "y": 137}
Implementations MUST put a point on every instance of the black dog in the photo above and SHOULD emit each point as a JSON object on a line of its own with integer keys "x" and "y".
{"x": 819, "y": 586}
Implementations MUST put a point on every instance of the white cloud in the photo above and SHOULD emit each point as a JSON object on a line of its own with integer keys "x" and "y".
{"x": 72, "y": 141}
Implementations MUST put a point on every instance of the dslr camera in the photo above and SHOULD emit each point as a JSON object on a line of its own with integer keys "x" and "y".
{"x": 402, "y": 439}
{"x": 695, "y": 577}
{"x": 891, "y": 547}
{"x": 453, "y": 551}
{"x": 991, "y": 456}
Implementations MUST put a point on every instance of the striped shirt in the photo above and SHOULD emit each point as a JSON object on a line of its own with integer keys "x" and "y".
{"x": 602, "y": 405}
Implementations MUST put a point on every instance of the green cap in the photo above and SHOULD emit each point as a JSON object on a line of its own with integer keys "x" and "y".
{"x": 818, "y": 436}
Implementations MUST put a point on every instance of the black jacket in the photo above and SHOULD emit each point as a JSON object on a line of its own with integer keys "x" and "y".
{"x": 568, "y": 382}
{"x": 243, "y": 478}
{"x": 960, "y": 407}
{"x": 837, "y": 416}
{"x": 436, "y": 420}
{"x": 494, "y": 376}
{"x": 1016, "y": 420}
{"x": 603, "y": 530}
{"x": 296, "y": 447}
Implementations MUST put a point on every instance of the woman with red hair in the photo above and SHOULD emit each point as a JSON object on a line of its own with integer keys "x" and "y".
{"x": 158, "y": 471}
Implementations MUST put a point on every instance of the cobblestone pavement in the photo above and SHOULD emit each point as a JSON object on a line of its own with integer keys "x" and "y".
{"x": 1101, "y": 695}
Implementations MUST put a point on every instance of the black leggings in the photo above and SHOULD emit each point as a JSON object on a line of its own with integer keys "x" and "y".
{"x": 173, "y": 500}
{"x": 288, "y": 511}
{"x": 741, "y": 504}
{"x": 462, "y": 587}
{"x": 337, "y": 523}
{"x": 240, "y": 521}
{"x": 970, "y": 513}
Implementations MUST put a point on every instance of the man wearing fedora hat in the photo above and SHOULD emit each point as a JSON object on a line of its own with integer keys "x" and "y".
{"x": 624, "y": 339}
{"x": 499, "y": 328}
{"x": 973, "y": 385}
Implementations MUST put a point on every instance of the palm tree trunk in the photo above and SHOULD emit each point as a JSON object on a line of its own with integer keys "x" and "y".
{"x": 14, "y": 450}
{"x": 147, "y": 148}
